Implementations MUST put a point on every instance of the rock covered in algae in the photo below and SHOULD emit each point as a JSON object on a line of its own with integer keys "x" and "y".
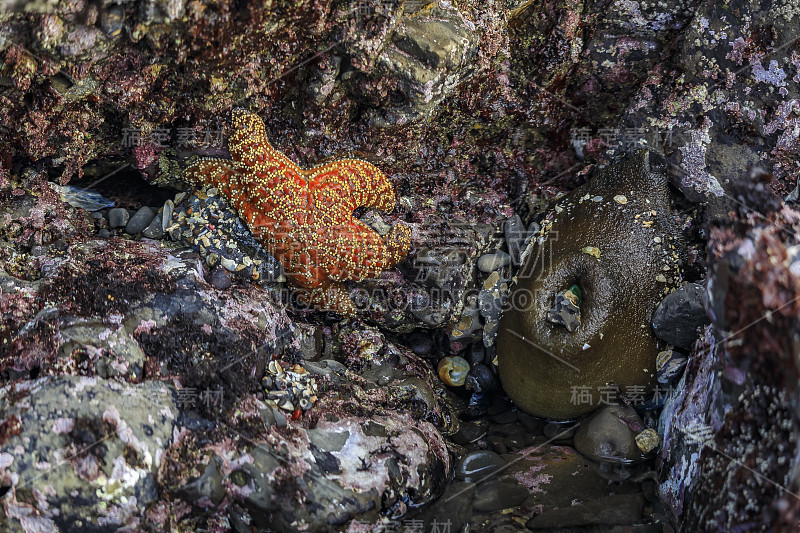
{"x": 552, "y": 372}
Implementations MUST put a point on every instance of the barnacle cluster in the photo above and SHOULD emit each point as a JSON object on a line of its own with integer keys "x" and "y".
{"x": 205, "y": 222}
{"x": 289, "y": 389}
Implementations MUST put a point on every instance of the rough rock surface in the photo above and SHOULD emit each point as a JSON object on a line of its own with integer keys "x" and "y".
{"x": 680, "y": 315}
{"x": 480, "y": 113}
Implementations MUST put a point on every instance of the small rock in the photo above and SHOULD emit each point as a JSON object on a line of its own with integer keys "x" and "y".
{"x": 679, "y": 314}
{"x": 481, "y": 379}
{"x": 220, "y": 279}
{"x": 606, "y": 436}
{"x": 155, "y": 230}
{"x": 421, "y": 343}
{"x": 208, "y": 485}
{"x": 453, "y": 508}
{"x": 532, "y": 424}
{"x": 488, "y": 263}
{"x": 468, "y": 329}
{"x": 515, "y": 436}
{"x": 470, "y": 431}
{"x": 497, "y": 495}
{"x": 476, "y": 354}
{"x": 669, "y": 366}
{"x": 518, "y": 441}
{"x": 166, "y": 214}
{"x": 490, "y": 303}
{"x": 648, "y": 440}
{"x": 118, "y": 217}
{"x": 498, "y": 405}
{"x": 99, "y": 220}
{"x": 515, "y": 234}
{"x": 477, "y": 407}
{"x": 478, "y": 465}
{"x": 273, "y": 417}
{"x": 558, "y": 432}
{"x": 112, "y": 19}
{"x": 504, "y": 417}
{"x": 104, "y": 233}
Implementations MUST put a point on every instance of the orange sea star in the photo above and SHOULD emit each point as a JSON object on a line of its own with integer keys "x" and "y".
{"x": 305, "y": 217}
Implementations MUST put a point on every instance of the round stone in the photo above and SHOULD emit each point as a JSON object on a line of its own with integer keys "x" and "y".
{"x": 478, "y": 465}
{"x": 488, "y": 263}
{"x": 118, "y": 217}
{"x": 497, "y": 495}
{"x": 608, "y": 435}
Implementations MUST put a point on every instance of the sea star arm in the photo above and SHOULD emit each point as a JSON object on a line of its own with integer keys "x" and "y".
{"x": 260, "y": 163}
{"x": 331, "y": 297}
{"x": 364, "y": 184}
{"x": 212, "y": 172}
{"x": 359, "y": 252}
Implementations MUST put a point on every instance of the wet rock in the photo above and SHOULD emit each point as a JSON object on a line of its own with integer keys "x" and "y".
{"x": 98, "y": 441}
{"x": 491, "y": 298}
{"x": 648, "y": 440}
{"x": 220, "y": 279}
{"x": 111, "y": 352}
{"x": 680, "y": 314}
{"x": 499, "y": 494}
{"x": 609, "y": 435}
{"x": 334, "y": 484}
{"x": 532, "y": 424}
{"x": 99, "y": 220}
{"x": 453, "y": 508}
{"x": 559, "y": 432}
{"x": 514, "y": 435}
{"x": 325, "y": 367}
{"x": 557, "y": 476}
{"x": 478, "y": 465}
{"x": 477, "y": 407}
{"x": 517, "y": 441}
{"x": 481, "y": 379}
{"x": 208, "y": 486}
{"x": 467, "y": 330}
{"x": 506, "y": 416}
{"x": 470, "y": 431}
{"x": 421, "y": 343}
{"x": 499, "y": 404}
{"x": 670, "y": 365}
{"x": 476, "y": 354}
{"x": 308, "y": 342}
{"x": 436, "y": 267}
{"x": 273, "y": 416}
{"x": 118, "y": 217}
{"x": 488, "y": 263}
{"x": 154, "y": 230}
{"x": 623, "y": 509}
{"x": 515, "y": 233}
{"x": 140, "y": 220}
{"x": 426, "y": 56}
{"x": 208, "y": 224}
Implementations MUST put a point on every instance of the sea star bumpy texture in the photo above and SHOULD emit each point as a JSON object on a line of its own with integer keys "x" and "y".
{"x": 305, "y": 217}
